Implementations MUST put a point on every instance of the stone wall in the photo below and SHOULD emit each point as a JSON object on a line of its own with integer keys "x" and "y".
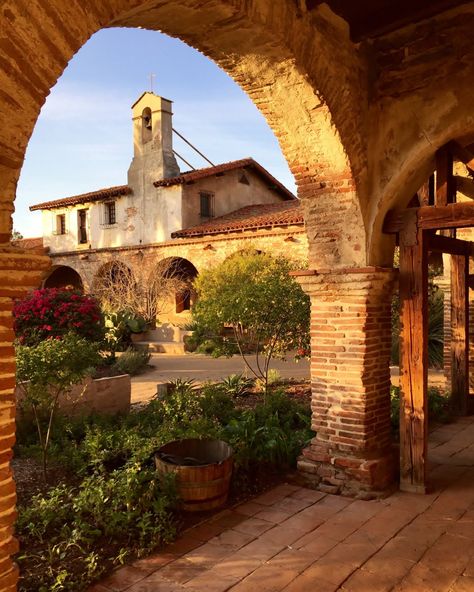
{"x": 110, "y": 396}
{"x": 202, "y": 252}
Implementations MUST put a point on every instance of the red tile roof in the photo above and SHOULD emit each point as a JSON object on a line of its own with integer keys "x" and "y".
{"x": 106, "y": 193}
{"x": 197, "y": 174}
{"x": 249, "y": 217}
{"x": 29, "y": 244}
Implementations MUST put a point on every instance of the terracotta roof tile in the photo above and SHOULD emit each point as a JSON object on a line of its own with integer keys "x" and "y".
{"x": 106, "y": 193}
{"x": 249, "y": 217}
{"x": 29, "y": 244}
{"x": 197, "y": 174}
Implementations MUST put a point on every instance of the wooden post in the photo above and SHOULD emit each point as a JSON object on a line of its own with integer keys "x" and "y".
{"x": 413, "y": 282}
{"x": 460, "y": 332}
{"x": 445, "y": 188}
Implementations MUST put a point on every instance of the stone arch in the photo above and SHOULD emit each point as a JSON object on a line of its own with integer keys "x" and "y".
{"x": 63, "y": 276}
{"x": 107, "y": 281}
{"x": 412, "y": 118}
{"x": 184, "y": 272}
{"x": 270, "y": 49}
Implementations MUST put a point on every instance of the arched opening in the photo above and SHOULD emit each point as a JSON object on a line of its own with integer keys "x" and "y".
{"x": 254, "y": 47}
{"x": 64, "y": 277}
{"x": 112, "y": 284}
{"x": 182, "y": 274}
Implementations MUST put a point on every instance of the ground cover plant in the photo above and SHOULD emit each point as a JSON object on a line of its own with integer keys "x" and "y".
{"x": 110, "y": 506}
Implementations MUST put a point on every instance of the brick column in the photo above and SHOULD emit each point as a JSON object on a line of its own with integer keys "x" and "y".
{"x": 19, "y": 272}
{"x": 352, "y": 451}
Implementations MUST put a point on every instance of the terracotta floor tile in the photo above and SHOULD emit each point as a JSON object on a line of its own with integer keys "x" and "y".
{"x": 253, "y": 526}
{"x": 249, "y": 508}
{"x": 292, "y": 505}
{"x": 181, "y": 570}
{"x": 208, "y": 554}
{"x": 273, "y": 514}
{"x": 463, "y": 584}
{"x": 233, "y": 538}
{"x": 154, "y": 584}
{"x": 310, "y": 495}
{"x": 211, "y": 581}
{"x": 123, "y": 578}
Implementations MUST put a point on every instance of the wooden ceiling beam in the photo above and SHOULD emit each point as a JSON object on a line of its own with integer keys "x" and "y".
{"x": 451, "y": 246}
{"x": 462, "y": 154}
{"x": 455, "y": 215}
{"x": 464, "y": 185}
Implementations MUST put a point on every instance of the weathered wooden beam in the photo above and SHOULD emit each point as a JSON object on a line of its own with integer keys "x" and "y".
{"x": 460, "y": 332}
{"x": 413, "y": 289}
{"x": 464, "y": 186}
{"x": 446, "y": 244}
{"x": 456, "y": 215}
{"x": 445, "y": 189}
{"x": 424, "y": 194}
{"x": 462, "y": 154}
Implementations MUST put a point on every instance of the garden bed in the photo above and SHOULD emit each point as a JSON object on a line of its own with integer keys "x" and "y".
{"x": 104, "y": 505}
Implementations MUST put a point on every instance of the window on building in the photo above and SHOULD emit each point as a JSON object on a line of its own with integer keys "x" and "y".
{"x": 61, "y": 224}
{"x": 244, "y": 179}
{"x": 110, "y": 213}
{"x": 82, "y": 226}
{"x": 207, "y": 209}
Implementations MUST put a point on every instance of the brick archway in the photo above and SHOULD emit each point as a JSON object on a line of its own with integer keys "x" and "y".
{"x": 357, "y": 135}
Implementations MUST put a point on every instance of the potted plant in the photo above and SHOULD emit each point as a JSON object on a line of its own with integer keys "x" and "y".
{"x": 138, "y": 328}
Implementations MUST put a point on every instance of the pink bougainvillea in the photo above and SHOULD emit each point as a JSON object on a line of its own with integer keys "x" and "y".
{"x": 53, "y": 312}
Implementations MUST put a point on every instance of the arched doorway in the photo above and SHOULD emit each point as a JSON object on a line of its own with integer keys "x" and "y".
{"x": 64, "y": 277}
{"x": 180, "y": 274}
{"x": 113, "y": 285}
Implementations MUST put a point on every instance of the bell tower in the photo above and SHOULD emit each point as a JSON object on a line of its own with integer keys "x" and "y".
{"x": 153, "y": 157}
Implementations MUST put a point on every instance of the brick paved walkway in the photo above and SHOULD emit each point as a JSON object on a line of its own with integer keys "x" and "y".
{"x": 299, "y": 540}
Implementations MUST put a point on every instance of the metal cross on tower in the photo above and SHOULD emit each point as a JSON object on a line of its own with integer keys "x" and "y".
{"x": 152, "y": 77}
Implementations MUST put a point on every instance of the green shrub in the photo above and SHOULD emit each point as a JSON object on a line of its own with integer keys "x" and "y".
{"x": 237, "y": 385}
{"x": 132, "y": 361}
{"x": 216, "y": 403}
{"x": 46, "y": 372}
{"x": 119, "y": 509}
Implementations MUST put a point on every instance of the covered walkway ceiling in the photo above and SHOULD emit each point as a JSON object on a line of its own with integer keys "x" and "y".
{"x": 371, "y": 18}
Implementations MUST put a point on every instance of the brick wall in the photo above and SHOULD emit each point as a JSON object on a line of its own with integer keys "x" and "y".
{"x": 19, "y": 272}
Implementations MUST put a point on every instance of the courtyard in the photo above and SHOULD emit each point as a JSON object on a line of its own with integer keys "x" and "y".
{"x": 200, "y": 368}
{"x": 294, "y": 539}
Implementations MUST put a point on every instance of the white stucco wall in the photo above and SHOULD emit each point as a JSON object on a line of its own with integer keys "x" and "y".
{"x": 229, "y": 194}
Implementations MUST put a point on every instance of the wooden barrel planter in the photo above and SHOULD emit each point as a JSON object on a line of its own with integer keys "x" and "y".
{"x": 203, "y": 470}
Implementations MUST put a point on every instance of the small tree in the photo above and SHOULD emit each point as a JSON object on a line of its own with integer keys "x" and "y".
{"x": 54, "y": 312}
{"x": 146, "y": 293}
{"x": 49, "y": 370}
{"x": 265, "y": 307}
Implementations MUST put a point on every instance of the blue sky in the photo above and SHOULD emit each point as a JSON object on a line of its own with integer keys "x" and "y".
{"x": 83, "y": 138}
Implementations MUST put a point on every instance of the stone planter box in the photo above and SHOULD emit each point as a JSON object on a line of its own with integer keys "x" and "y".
{"x": 110, "y": 396}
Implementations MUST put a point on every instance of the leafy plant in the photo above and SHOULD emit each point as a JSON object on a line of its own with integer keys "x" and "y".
{"x": 47, "y": 371}
{"x": 116, "y": 509}
{"x": 55, "y": 312}
{"x": 266, "y": 309}
{"x": 237, "y": 385}
{"x": 217, "y": 403}
{"x": 136, "y": 324}
{"x": 132, "y": 361}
